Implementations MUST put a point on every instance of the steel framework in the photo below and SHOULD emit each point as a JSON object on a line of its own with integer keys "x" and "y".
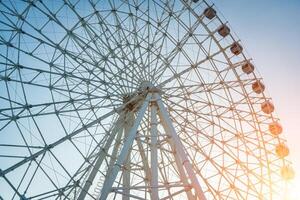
{"x": 132, "y": 99}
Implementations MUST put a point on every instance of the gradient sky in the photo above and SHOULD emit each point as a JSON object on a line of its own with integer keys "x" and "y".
{"x": 270, "y": 32}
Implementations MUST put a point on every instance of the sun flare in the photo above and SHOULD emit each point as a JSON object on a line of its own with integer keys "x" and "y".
{"x": 293, "y": 191}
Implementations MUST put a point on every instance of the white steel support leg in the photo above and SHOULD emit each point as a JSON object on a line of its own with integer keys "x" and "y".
{"x": 181, "y": 171}
{"x": 129, "y": 117}
{"x": 115, "y": 150}
{"x": 167, "y": 123}
{"x": 182, "y": 174}
{"x": 100, "y": 158}
{"x": 153, "y": 147}
{"x": 124, "y": 152}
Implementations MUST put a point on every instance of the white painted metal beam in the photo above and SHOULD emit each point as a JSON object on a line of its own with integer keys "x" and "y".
{"x": 107, "y": 186}
{"x": 100, "y": 158}
{"x": 129, "y": 118}
{"x": 153, "y": 147}
{"x": 167, "y": 123}
{"x": 178, "y": 161}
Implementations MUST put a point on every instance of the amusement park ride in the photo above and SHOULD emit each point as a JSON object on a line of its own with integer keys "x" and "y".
{"x": 132, "y": 99}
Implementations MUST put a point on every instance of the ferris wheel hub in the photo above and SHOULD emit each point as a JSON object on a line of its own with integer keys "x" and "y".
{"x": 147, "y": 86}
{"x": 134, "y": 100}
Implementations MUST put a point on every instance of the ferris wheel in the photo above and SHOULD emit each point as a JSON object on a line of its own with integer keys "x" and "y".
{"x": 132, "y": 99}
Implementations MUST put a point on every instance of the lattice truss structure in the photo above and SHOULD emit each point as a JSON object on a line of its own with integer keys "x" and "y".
{"x": 132, "y": 99}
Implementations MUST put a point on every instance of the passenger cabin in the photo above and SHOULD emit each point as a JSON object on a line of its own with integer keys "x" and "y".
{"x": 209, "y": 13}
{"x": 287, "y": 172}
{"x": 258, "y": 87}
{"x": 282, "y": 150}
{"x": 223, "y": 30}
{"x": 275, "y": 128}
{"x": 267, "y": 107}
{"x": 236, "y": 48}
{"x": 248, "y": 68}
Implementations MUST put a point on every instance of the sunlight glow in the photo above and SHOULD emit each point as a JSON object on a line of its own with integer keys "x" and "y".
{"x": 293, "y": 192}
